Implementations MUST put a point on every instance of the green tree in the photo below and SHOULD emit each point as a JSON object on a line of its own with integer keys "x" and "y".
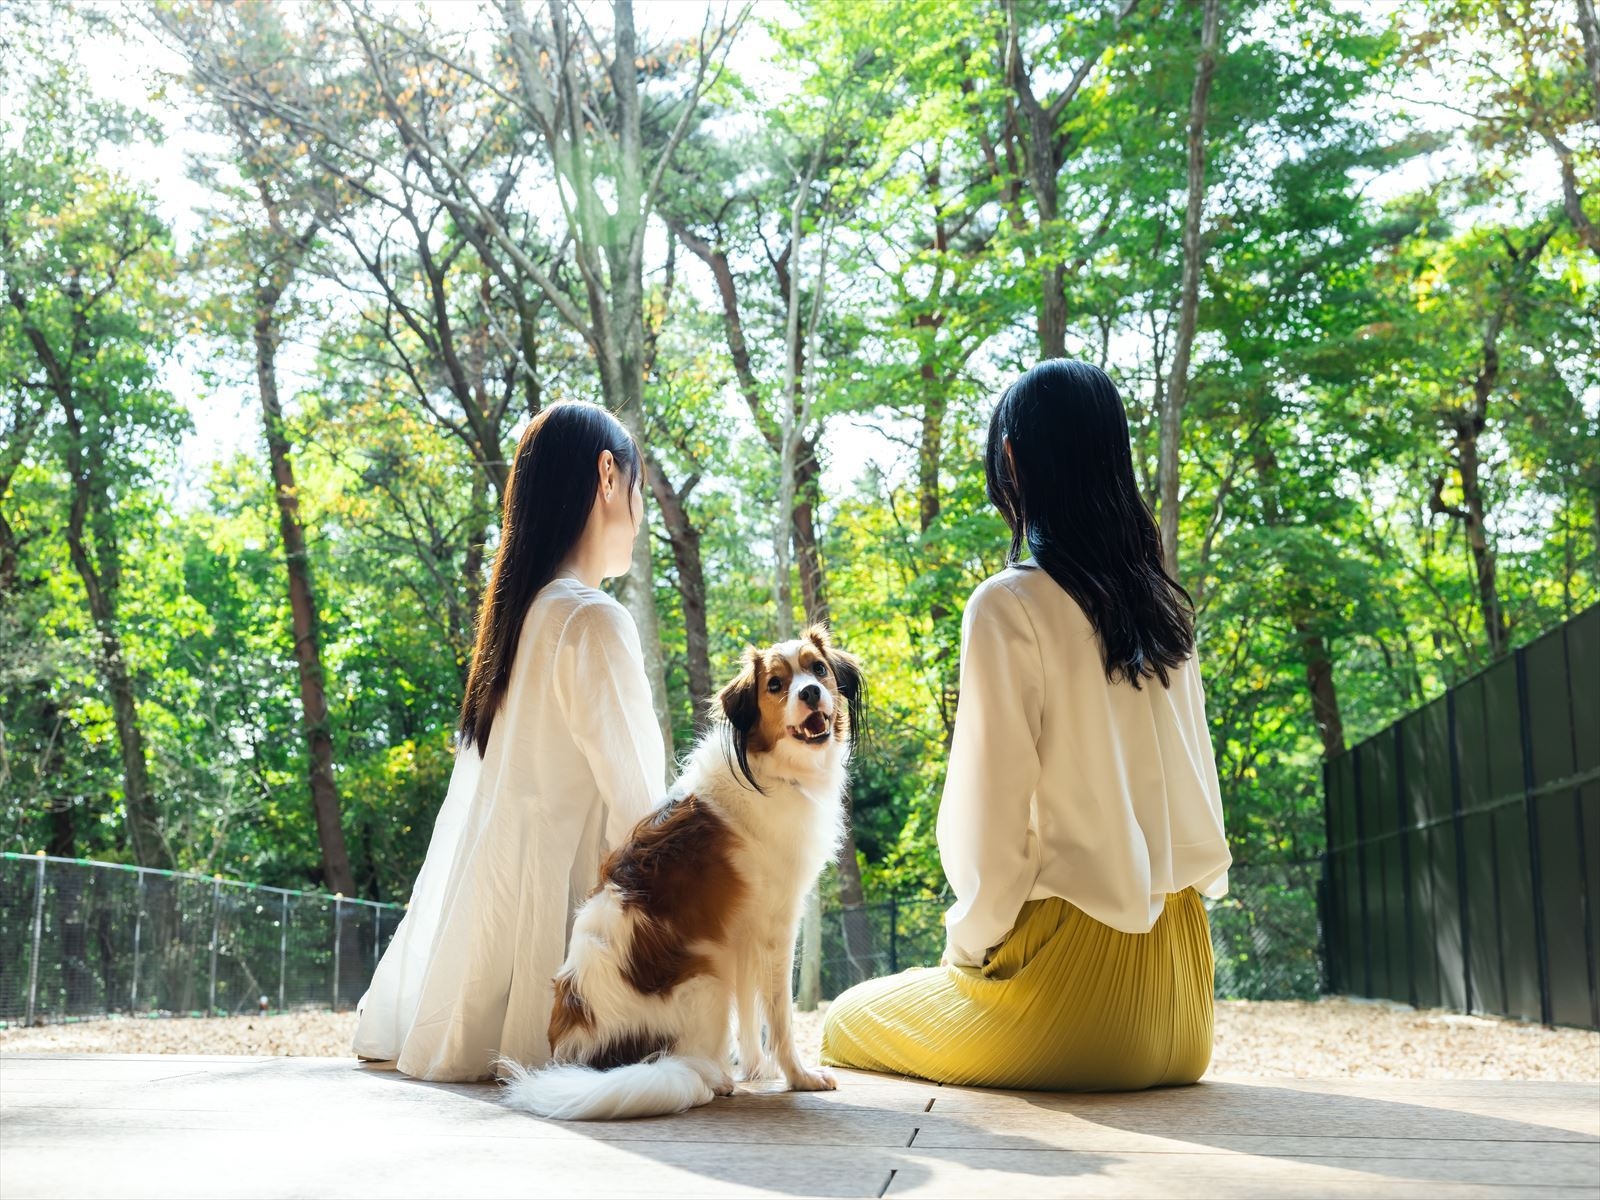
{"x": 86, "y": 269}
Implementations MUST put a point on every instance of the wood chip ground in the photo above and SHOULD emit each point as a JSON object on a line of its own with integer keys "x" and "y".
{"x": 1326, "y": 1039}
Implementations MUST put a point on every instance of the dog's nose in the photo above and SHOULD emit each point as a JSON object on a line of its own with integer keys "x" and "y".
{"x": 811, "y": 694}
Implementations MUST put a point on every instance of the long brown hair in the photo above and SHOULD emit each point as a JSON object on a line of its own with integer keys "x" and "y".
{"x": 549, "y": 496}
{"x": 1067, "y": 489}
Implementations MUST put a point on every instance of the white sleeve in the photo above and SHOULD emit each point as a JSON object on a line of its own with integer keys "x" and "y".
{"x": 1216, "y": 887}
{"x": 990, "y": 853}
{"x": 605, "y": 697}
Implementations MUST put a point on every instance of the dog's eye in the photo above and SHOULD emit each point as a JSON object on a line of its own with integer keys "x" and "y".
{"x": 819, "y": 669}
{"x": 774, "y": 685}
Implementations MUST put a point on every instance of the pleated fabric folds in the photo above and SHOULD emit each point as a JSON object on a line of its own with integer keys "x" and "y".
{"x": 1065, "y": 1003}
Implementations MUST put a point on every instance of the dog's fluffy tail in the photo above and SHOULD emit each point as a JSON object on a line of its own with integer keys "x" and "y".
{"x": 568, "y": 1092}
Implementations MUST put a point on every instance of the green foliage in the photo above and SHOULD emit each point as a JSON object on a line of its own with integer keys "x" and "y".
{"x": 1356, "y": 261}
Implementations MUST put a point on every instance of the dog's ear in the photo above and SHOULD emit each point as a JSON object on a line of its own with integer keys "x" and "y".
{"x": 853, "y": 687}
{"x": 741, "y": 704}
{"x": 740, "y": 700}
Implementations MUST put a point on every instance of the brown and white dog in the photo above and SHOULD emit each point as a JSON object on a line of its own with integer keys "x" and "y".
{"x": 697, "y": 913}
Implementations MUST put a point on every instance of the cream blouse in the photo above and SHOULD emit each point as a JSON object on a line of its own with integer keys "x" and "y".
{"x": 1063, "y": 784}
{"x": 574, "y": 759}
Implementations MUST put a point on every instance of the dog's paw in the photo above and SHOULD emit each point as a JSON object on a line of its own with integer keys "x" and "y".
{"x": 723, "y": 1086}
{"x": 817, "y": 1079}
{"x": 762, "y": 1068}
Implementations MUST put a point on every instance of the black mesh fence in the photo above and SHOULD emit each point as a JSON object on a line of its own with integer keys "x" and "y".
{"x": 82, "y": 939}
{"x": 1264, "y": 934}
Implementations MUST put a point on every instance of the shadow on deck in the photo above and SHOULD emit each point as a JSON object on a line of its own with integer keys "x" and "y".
{"x": 111, "y": 1125}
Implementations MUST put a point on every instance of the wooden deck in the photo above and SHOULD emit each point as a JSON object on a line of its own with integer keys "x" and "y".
{"x": 112, "y": 1125}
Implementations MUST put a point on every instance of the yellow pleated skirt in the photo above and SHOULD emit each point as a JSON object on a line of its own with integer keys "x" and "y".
{"x": 1065, "y": 1004}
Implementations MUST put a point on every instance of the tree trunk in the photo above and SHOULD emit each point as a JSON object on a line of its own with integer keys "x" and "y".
{"x": 1466, "y": 425}
{"x": 1571, "y": 197}
{"x": 813, "y": 581}
{"x": 464, "y": 615}
{"x": 1040, "y": 150}
{"x": 1043, "y": 145}
{"x": 1052, "y": 324}
{"x": 930, "y": 459}
{"x": 1302, "y": 605}
{"x": 1324, "y": 697}
{"x": 10, "y": 553}
{"x": 302, "y": 608}
{"x": 930, "y": 449}
{"x": 607, "y": 246}
{"x": 1594, "y": 524}
{"x": 101, "y": 574}
{"x": 1474, "y": 515}
{"x": 808, "y": 556}
{"x": 15, "y": 439}
{"x": 1189, "y": 296}
{"x": 637, "y": 592}
{"x": 63, "y": 841}
{"x": 685, "y": 541}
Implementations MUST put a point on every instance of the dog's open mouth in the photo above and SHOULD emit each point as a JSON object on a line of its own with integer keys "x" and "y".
{"x": 813, "y": 730}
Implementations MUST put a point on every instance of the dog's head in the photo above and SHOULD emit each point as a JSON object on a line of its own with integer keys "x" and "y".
{"x": 803, "y": 703}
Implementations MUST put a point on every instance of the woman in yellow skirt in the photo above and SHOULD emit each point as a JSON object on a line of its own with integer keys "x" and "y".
{"x": 1082, "y": 819}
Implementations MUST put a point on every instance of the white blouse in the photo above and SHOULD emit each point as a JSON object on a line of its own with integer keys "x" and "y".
{"x": 574, "y": 760}
{"x": 1063, "y": 784}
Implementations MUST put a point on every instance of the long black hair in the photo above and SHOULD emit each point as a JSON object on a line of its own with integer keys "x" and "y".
{"x": 548, "y": 498}
{"x": 1067, "y": 488}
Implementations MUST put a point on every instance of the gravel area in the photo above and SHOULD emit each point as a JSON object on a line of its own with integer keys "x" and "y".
{"x": 1325, "y": 1039}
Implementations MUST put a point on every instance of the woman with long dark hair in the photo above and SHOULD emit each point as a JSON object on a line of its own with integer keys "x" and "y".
{"x": 559, "y": 754}
{"x": 1081, "y": 818}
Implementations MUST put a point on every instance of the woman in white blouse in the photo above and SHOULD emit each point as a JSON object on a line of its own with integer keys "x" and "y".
{"x": 559, "y": 755}
{"x": 1081, "y": 819}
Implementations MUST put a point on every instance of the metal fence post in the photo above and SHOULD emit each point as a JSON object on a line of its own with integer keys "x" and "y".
{"x": 1361, "y": 870}
{"x": 338, "y": 943}
{"x": 1584, "y": 866}
{"x": 894, "y": 939}
{"x": 810, "y": 989}
{"x": 216, "y": 896}
{"x": 1535, "y": 857}
{"x": 1328, "y": 983}
{"x": 283, "y": 950}
{"x": 1329, "y": 947}
{"x": 38, "y": 934}
{"x": 1402, "y": 817}
{"x": 138, "y": 930}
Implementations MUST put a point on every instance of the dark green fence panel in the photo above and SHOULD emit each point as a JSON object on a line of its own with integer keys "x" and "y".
{"x": 1463, "y": 863}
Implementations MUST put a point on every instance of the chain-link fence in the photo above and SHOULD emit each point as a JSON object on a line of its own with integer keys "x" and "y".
{"x": 1264, "y": 933}
{"x": 84, "y": 939}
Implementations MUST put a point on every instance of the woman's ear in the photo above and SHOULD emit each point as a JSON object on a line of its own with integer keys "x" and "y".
{"x": 608, "y": 474}
{"x": 740, "y": 700}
